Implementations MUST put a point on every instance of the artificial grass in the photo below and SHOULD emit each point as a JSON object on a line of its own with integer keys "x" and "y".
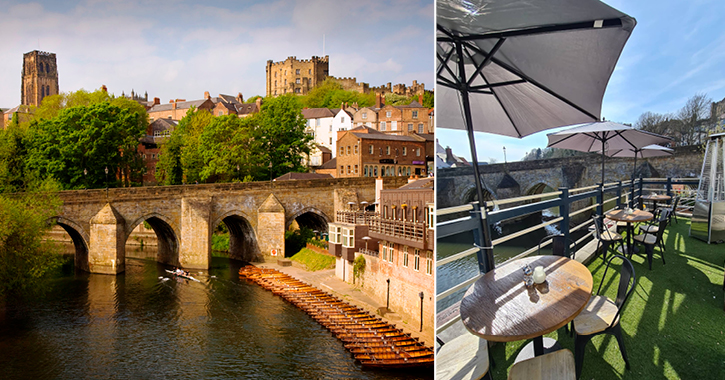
{"x": 314, "y": 261}
{"x": 673, "y": 324}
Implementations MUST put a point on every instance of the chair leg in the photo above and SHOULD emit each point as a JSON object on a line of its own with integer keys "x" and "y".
{"x": 617, "y": 332}
{"x": 579, "y": 345}
{"x": 488, "y": 376}
{"x": 649, "y": 249}
{"x": 605, "y": 248}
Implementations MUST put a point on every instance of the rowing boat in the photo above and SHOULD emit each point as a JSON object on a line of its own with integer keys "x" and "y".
{"x": 398, "y": 363}
{"x": 189, "y": 277}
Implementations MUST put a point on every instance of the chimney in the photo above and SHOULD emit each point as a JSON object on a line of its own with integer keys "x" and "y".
{"x": 157, "y": 101}
{"x": 449, "y": 156}
{"x": 378, "y": 101}
{"x": 174, "y": 105}
{"x": 240, "y": 98}
{"x": 171, "y": 101}
{"x": 206, "y": 95}
{"x": 378, "y": 189}
{"x": 104, "y": 88}
{"x": 420, "y": 98}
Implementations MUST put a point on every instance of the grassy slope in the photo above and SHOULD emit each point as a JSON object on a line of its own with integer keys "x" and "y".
{"x": 673, "y": 323}
{"x": 314, "y": 261}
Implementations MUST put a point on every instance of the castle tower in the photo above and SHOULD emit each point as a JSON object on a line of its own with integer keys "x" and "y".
{"x": 296, "y": 76}
{"x": 40, "y": 77}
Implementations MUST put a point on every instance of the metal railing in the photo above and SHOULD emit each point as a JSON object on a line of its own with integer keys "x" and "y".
{"x": 404, "y": 229}
{"x": 369, "y": 252}
{"x": 607, "y": 196}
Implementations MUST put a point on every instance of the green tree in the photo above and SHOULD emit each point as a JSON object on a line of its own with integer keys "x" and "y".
{"x": 25, "y": 256}
{"x": 281, "y": 135}
{"x": 330, "y": 94}
{"x": 181, "y": 161}
{"x": 13, "y": 154}
{"x": 86, "y": 138}
{"x": 228, "y": 149}
{"x": 397, "y": 100}
{"x": 253, "y": 99}
{"x": 428, "y": 99}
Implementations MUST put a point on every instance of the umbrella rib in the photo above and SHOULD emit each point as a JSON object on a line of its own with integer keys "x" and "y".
{"x": 608, "y": 23}
{"x": 444, "y": 62}
{"x": 535, "y": 83}
{"x": 448, "y": 83}
{"x": 501, "y": 84}
{"x": 485, "y": 61}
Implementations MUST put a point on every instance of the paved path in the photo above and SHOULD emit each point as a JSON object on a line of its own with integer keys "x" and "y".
{"x": 327, "y": 281}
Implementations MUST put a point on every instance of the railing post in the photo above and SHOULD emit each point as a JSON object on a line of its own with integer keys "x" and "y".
{"x": 619, "y": 194}
{"x": 564, "y": 213}
{"x": 600, "y": 199}
{"x": 641, "y": 201}
{"x": 480, "y": 239}
{"x": 669, "y": 186}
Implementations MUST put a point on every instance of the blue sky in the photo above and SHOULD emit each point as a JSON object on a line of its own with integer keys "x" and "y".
{"x": 179, "y": 49}
{"x": 676, "y": 50}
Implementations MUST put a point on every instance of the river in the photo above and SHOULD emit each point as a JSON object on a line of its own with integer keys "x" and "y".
{"x": 138, "y": 326}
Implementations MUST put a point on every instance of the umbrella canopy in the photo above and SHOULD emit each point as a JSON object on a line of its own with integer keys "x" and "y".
{"x": 604, "y": 136}
{"x": 653, "y": 150}
{"x": 527, "y": 66}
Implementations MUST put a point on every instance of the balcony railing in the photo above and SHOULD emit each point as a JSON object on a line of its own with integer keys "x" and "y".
{"x": 355, "y": 217}
{"x": 369, "y": 252}
{"x": 404, "y": 229}
{"x": 629, "y": 193}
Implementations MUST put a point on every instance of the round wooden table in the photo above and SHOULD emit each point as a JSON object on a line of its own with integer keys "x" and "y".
{"x": 635, "y": 217}
{"x": 654, "y": 198}
{"x": 500, "y": 308}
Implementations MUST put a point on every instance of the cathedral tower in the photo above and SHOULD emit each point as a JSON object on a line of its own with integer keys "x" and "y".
{"x": 40, "y": 77}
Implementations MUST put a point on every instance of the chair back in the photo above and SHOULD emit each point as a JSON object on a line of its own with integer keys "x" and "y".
{"x": 558, "y": 245}
{"x": 675, "y": 202}
{"x": 662, "y": 224}
{"x": 627, "y": 281}
{"x": 598, "y": 226}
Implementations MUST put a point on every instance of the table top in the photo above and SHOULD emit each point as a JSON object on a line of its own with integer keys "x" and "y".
{"x": 635, "y": 216}
{"x": 499, "y": 307}
{"x": 656, "y": 197}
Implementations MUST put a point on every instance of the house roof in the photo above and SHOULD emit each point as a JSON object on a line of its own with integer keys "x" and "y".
{"x": 323, "y": 148}
{"x": 332, "y": 164}
{"x": 164, "y": 124}
{"x": 425, "y": 183}
{"x": 317, "y": 113}
{"x": 413, "y": 104}
{"x": 302, "y": 176}
{"x": 246, "y": 108}
{"x": 179, "y": 105}
{"x": 229, "y": 99}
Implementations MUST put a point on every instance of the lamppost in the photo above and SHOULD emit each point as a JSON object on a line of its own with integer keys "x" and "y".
{"x": 504, "y": 155}
{"x": 85, "y": 177}
{"x": 106, "y": 170}
{"x": 387, "y": 303}
{"x": 421, "y": 311}
{"x": 270, "y": 170}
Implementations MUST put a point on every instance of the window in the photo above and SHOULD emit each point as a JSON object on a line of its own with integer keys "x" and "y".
{"x": 405, "y": 257}
{"x": 375, "y": 171}
{"x": 388, "y": 114}
{"x": 298, "y": 81}
{"x": 385, "y": 250}
{"x": 364, "y": 115}
{"x": 429, "y": 263}
{"x": 420, "y": 128}
{"x": 342, "y": 119}
{"x": 417, "y": 152}
{"x": 387, "y": 150}
{"x": 391, "y": 251}
{"x": 348, "y": 237}
{"x": 348, "y": 149}
{"x": 393, "y": 125}
{"x": 371, "y": 149}
{"x": 285, "y": 82}
{"x": 415, "y": 114}
{"x": 430, "y": 217}
{"x": 365, "y": 171}
{"x": 342, "y": 170}
{"x": 355, "y": 169}
{"x": 410, "y": 126}
{"x": 42, "y": 89}
{"x": 41, "y": 67}
{"x": 297, "y": 71}
{"x": 47, "y": 68}
{"x": 342, "y": 150}
{"x": 275, "y": 83}
{"x": 382, "y": 126}
{"x": 297, "y": 90}
{"x": 317, "y": 122}
{"x": 416, "y": 260}
{"x": 335, "y": 234}
{"x": 220, "y": 113}
{"x": 330, "y": 140}
{"x": 356, "y": 149}
{"x": 275, "y": 75}
{"x": 330, "y": 127}
{"x": 349, "y": 169}
{"x": 395, "y": 213}
{"x": 405, "y": 151}
{"x": 309, "y": 71}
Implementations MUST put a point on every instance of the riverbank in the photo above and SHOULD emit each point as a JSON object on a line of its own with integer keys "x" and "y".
{"x": 325, "y": 280}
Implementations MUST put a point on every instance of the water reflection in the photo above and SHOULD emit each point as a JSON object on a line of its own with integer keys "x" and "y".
{"x": 136, "y": 325}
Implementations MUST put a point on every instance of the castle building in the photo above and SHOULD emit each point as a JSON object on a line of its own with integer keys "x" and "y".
{"x": 39, "y": 77}
{"x": 295, "y": 76}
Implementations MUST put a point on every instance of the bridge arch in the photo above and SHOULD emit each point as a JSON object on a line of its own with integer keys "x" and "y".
{"x": 166, "y": 235}
{"x": 310, "y": 217}
{"x": 540, "y": 188}
{"x": 469, "y": 195}
{"x": 242, "y": 237}
{"x": 80, "y": 239}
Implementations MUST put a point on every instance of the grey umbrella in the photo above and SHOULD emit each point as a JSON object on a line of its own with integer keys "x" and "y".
{"x": 653, "y": 150}
{"x": 516, "y": 67}
{"x": 602, "y": 137}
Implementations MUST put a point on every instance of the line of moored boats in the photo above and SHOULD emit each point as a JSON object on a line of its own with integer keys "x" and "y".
{"x": 372, "y": 341}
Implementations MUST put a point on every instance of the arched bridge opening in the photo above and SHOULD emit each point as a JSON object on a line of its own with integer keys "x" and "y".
{"x": 167, "y": 249}
{"x": 312, "y": 220}
{"x": 80, "y": 259}
{"x": 242, "y": 240}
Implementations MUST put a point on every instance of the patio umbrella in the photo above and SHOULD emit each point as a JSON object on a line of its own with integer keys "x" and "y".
{"x": 516, "y": 67}
{"x": 653, "y": 150}
{"x": 602, "y": 137}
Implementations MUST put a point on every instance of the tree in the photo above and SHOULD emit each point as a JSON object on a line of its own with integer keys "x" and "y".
{"x": 13, "y": 153}
{"x": 691, "y": 117}
{"x": 86, "y": 138}
{"x": 281, "y": 135}
{"x": 253, "y": 99}
{"x": 397, "y": 100}
{"x": 428, "y": 99}
{"x": 330, "y": 94}
{"x": 181, "y": 161}
{"x": 229, "y": 150}
{"x": 25, "y": 256}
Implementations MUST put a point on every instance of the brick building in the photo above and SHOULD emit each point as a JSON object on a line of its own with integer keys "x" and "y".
{"x": 149, "y": 148}
{"x": 365, "y": 152}
{"x": 39, "y": 77}
{"x": 177, "y": 109}
{"x": 397, "y": 243}
{"x": 296, "y": 76}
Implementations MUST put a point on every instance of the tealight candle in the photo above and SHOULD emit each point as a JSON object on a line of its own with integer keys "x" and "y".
{"x": 539, "y": 275}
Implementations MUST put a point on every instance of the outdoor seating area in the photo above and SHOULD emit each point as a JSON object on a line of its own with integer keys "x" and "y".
{"x": 670, "y": 323}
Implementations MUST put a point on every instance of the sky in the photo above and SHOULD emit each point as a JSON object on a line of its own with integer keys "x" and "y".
{"x": 179, "y": 49}
{"x": 676, "y": 50}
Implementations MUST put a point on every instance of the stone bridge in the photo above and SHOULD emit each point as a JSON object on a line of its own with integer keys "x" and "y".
{"x": 455, "y": 186}
{"x": 256, "y": 214}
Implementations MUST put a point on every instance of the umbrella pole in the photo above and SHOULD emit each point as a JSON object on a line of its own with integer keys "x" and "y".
{"x": 487, "y": 263}
{"x": 603, "y": 164}
{"x": 634, "y": 171}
